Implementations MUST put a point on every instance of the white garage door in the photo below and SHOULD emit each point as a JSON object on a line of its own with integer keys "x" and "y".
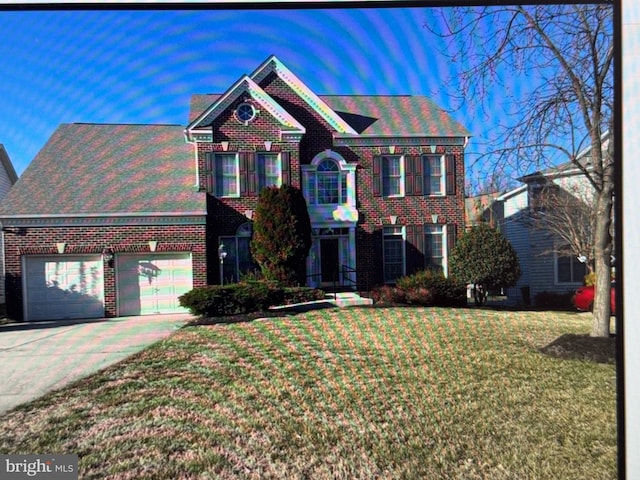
{"x": 64, "y": 286}
{"x": 151, "y": 283}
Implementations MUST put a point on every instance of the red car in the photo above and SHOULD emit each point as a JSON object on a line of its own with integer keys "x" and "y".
{"x": 583, "y": 299}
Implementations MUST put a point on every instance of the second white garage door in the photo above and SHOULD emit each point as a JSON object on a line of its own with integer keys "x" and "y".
{"x": 151, "y": 283}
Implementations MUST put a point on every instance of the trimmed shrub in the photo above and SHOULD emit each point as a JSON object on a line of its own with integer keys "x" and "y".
{"x": 246, "y": 296}
{"x": 554, "y": 300}
{"x": 388, "y": 294}
{"x": 301, "y": 295}
{"x": 281, "y": 234}
{"x": 419, "y": 296}
{"x": 232, "y": 299}
{"x": 484, "y": 257}
{"x": 436, "y": 289}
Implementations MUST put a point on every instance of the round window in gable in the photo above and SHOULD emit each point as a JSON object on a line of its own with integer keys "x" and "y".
{"x": 245, "y": 112}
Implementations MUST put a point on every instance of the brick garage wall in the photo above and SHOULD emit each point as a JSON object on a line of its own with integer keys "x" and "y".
{"x": 92, "y": 240}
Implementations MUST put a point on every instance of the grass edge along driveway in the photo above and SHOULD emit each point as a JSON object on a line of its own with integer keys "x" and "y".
{"x": 361, "y": 393}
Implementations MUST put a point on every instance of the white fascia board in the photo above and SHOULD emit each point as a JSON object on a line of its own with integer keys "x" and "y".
{"x": 245, "y": 85}
{"x": 272, "y": 64}
{"x": 511, "y": 193}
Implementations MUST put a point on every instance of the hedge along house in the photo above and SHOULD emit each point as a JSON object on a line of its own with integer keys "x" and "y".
{"x": 112, "y": 220}
{"x": 383, "y": 176}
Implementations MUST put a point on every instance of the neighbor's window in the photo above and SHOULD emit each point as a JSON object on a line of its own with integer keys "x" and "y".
{"x": 392, "y": 184}
{"x": 393, "y": 253}
{"x": 569, "y": 269}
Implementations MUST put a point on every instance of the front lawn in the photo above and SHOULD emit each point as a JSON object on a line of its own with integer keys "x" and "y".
{"x": 361, "y": 393}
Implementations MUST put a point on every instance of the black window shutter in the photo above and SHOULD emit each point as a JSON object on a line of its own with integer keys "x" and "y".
{"x": 244, "y": 181}
{"x": 285, "y": 158}
{"x": 377, "y": 176}
{"x": 419, "y": 174}
{"x": 252, "y": 174}
{"x": 450, "y": 167}
{"x": 409, "y": 176}
{"x": 209, "y": 173}
{"x": 451, "y": 237}
{"x": 414, "y": 248}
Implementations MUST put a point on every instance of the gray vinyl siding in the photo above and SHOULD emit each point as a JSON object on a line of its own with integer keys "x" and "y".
{"x": 6, "y": 181}
{"x": 517, "y": 233}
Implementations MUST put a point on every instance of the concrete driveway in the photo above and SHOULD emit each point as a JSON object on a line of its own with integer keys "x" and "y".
{"x": 38, "y": 357}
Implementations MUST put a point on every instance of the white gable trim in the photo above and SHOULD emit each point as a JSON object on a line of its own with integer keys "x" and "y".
{"x": 246, "y": 86}
{"x": 272, "y": 64}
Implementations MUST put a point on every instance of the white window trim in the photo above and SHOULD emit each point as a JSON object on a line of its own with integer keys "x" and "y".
{"x": 218, "y": 172}
{"x": 402, "y": 176}
{"x": 403, "y": 237}
{"x": 261, "y": 177}
{"x": 228, "y": 239}
{"x": 445, "y": 249}
{"x": 345, "y": 168}
{"x": 556, "y": 279}
{"x": 443, "y": 176}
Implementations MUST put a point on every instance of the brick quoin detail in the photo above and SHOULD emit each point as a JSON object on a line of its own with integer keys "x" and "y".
{"x": 92, "y": 240}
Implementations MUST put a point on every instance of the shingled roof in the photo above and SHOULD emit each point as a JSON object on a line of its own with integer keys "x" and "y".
{"x": 395, "y": 116}
{"x": 109, "y": 169}
{"x": 377, "y": 115}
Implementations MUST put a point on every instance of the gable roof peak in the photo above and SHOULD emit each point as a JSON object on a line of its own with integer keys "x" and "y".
{"x": 246, "y": 85}
{"x": 273, "y": 65}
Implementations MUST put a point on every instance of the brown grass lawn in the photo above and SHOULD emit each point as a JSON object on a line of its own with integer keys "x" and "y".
{"x": 362, "y": 393}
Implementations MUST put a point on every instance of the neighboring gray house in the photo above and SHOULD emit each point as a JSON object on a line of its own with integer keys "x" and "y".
{"x": 7, "y": 178}
{"x": 543, "y": 269}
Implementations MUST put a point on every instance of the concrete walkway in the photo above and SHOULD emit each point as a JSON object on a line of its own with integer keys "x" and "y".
{"x": 38, "y": 357}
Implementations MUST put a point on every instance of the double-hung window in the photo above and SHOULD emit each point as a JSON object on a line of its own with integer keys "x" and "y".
{"x": 569, "y": 269}
{"x": 392, "y": 176}
{"x": 393, "y": 253}
{"x": 227, "y": 181}
{"x": 269, "y": 170}
{"x": 433, "y": 174}
{"x": 434, "y": 247}
{"x": 238, "y": 260}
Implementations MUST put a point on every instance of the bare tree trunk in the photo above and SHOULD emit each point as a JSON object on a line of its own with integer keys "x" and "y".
{"x": 603, "y": 248}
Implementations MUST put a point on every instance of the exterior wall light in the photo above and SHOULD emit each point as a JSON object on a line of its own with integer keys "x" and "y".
{"x": 107, "y": 253}
{"x": 222, "y": 254}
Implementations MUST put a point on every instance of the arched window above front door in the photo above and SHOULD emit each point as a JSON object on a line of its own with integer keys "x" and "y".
{"x": 329, "y": 180}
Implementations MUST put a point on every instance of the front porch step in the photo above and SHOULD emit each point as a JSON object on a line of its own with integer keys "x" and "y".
{"x": 347, "y": 299}
{"x": 338, "y": 299}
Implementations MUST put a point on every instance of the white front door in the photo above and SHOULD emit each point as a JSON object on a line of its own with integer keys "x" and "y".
{"x": 151, "y": 283}
{"x": 63, "y": 287}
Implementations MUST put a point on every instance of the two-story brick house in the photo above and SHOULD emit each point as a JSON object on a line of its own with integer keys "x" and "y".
{"x": 383, "y": 177}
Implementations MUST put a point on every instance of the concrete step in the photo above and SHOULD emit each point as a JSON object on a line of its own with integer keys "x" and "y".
{"x": 342, "y": 299}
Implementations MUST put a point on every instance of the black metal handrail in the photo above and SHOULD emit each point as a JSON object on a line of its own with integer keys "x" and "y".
{"x": 335, "y": 283}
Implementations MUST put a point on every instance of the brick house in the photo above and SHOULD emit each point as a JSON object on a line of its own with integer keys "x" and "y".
{"x": 145, "y": 208}
{"x": 8, "y": 177}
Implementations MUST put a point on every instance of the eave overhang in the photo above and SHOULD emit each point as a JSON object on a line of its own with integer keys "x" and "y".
{"x": 397, "y": 140}
{"x": 273, "y": 65}
{"x": 200, "y": 129}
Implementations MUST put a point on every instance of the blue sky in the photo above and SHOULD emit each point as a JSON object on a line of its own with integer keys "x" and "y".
{"x": 142, "y": 66}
